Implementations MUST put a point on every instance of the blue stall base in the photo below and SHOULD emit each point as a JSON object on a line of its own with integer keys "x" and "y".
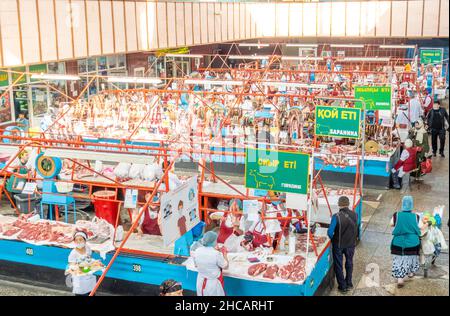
{"x": 147, "y": 271}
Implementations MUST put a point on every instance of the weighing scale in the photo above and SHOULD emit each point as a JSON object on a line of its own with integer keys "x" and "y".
{"x": 49, "y": 168}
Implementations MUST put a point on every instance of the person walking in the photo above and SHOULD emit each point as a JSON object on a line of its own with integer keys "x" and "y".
{"x": 343, "y": 232}
{"x": 405, "y": 245}
{"x": 438, "y": 123}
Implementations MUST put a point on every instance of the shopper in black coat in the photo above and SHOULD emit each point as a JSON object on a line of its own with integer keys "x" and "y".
{"x": 438, "y": 122}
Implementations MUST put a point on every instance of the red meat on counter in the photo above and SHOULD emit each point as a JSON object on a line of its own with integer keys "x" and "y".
{"x": 11, "y": 232}
{"x": 271, "y": 272}
{"x": 298, "y": 261}
{"x": 297, "y": 275}
{"x": 285, "y": 271}
{"x": 257, "y": 269}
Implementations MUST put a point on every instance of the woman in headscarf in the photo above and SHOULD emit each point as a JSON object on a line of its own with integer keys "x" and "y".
{"x": 405, "y": 244}
{"x": 210, "y": 262}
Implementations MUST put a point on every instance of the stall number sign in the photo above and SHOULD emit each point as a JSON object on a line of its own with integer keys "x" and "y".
{"x": 137, "y": 268}
{"x": 276, "y": 170}
{"x": 337, "y": 121}
{"x": 431, "y": 56}
{"x": 29, "y": 251}
{"x": 376, "y": 98}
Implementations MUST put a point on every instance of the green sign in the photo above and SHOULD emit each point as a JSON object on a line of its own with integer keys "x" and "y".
{"x": 16, "y": 75}
{"x": 4, "y": 79}
{"x": 337, "y": 121}
{"x": 278, "y": 171}
{"x": 431, "y": 56}
{"x": 376, "y": 98}
{"x": 37, "y": 69}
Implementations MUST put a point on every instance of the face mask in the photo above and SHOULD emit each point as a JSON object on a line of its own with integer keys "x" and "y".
{"x": 81, "y": 245}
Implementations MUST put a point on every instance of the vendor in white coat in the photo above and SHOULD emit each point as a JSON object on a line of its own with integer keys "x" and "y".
{"x": 83, "y": 284}
{"x": 209, "y": 263}
{"x": 415, "y": 108}
{"x": 174, "y": 181}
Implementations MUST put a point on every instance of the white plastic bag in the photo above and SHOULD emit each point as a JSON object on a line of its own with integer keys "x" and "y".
{"x": 272, "y": 226}
{"x": 439, "y": 237}
{"x": 158, "y": 170}
{"x": 233, "y": 243}
{"x": 98, "y": 167}
{"x": 122, "y": 170}
{"x": 427, "y": 243}
{"x": 148, "y": 173}
{"x": 136, "y": 170}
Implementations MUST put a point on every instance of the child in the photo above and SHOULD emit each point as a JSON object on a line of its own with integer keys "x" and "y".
{"x": 432, "y": 242}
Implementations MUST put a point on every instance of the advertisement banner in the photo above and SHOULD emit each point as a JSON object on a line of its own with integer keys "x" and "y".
{"x": 180, "y": 211}
{"x": 279, "y": 171}
{"x": 337, "y": 121}
{"x": 376, "y": 98}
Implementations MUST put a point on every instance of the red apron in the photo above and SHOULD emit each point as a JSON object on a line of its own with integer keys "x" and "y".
{"x": 259, "y": 239}
{"x": 205, "y": 281}
{"x": 224, "y": 231}
{"x": 150, "y": 226}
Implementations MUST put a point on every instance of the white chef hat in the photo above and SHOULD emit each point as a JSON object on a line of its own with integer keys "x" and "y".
{"x": 81, "y": 234}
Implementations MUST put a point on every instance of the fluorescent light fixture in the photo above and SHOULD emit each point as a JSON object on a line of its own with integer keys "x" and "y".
{"x": 9, "y": 150}
{"x": 301, "y": 58}
{"x": 302, "y": 45}
{"x": 253, "y": 45}
{"x": 214, "y": 82}
{"x": 375, "y": 59}
{"x": 185, "y": 55}
{"x": 398, "y": 46}
{"x": 43, "y": 76}
{"x": 93, "y": 155}
{"x": 134, "y": 80}
{"x": 255, "y": 57}
{"x": 348, "y": 45}
{"x": 294, "y": 84}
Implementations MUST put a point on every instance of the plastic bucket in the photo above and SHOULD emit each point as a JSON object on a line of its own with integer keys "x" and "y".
{"x": 26, "y": 203}
{"x": 108, "y": 210}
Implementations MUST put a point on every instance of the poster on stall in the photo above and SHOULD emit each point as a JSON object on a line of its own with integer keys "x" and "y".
{"x": 179, "y": 211}
{"x": 376, "y": 98}
{"x": 252, "y": 208}
{"x": 279, "y": 171}
{"x": 337, "y": 122}
{"x": 131, "y": 196}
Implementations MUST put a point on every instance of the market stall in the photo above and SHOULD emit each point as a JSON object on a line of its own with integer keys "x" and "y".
{"x": 126, "y": 143}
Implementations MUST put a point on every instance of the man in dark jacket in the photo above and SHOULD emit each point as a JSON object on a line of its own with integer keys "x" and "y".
{"x": 343, "y": 232}
{"x": 436, "y": 120}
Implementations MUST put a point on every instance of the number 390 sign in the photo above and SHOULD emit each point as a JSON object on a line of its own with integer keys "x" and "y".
{"x": 279, "y": 171}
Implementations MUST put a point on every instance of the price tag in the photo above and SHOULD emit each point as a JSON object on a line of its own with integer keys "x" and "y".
{"x": 29, "y": 188}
